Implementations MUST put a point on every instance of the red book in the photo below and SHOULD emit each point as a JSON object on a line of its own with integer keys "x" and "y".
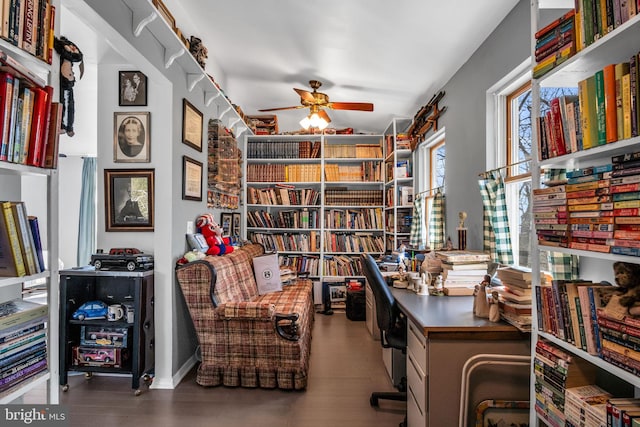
{"x": 542, "y": 31}
{"x": 51, "y": 149}
{"x": 39, "y": 122}
{"x": 557, "y": 127}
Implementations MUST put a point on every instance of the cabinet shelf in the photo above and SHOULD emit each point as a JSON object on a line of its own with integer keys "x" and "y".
{"x": 601, "y": 152}
{"x": 9, "y": 281}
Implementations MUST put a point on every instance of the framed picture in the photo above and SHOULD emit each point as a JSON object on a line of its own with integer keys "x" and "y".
{"x": 191, "y": 125}
{"x": 128, "y": 199}
{"x": 226, "y": 222}
{"x": 133, "y": 89}
{"x": 191, "y": 179}
{"x": 131, "y": 137}
{"x": 236, "y": 228}
{"x": 164, "y": 12}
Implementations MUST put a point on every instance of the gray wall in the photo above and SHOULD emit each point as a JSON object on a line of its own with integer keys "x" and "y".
{"x": 465, "y": 118}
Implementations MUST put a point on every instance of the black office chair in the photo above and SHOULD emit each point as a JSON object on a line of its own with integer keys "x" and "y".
{"x": 392, "y": 324}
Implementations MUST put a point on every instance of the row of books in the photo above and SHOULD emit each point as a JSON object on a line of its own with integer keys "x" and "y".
{"x": 283, "y": 196}
{"x": 369, "y": 171}
{"x": 353, "y": 242}
{"x": 301, "y": 218}
{"x": 287, "y": 242}
{"x": 345, "y": 197}
{"x": 401, "y": 196}
{"x": 283, "y": 150}
{"x": 557, "y": 372}
{"x": 341, "y": 265}
{"x": 23, "y": 341}
{"x": 402, "y": 142}
{"x": 596, "y": 18}
{"x": 353, "y": 151}
{"x": 302, "y": 264}
{"x": 29, "y": 25}
{"x": 29, "y": 119}
{"x": 604, "y": 111}
{"x": 365, "y": 218}
{"x": 555, "y": 43}
{"x": 20, "y": 243}
{"x": 598, "y": 209}
{"x": 283, "y": 173}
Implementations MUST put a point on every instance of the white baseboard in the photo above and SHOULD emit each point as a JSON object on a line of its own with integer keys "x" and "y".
{"x": 171, "y": 383}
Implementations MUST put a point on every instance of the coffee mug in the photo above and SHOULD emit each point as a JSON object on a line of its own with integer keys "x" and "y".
{"x": 115, "y": 312}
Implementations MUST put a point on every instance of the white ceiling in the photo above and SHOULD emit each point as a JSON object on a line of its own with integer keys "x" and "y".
{"x": 395, "y": 54}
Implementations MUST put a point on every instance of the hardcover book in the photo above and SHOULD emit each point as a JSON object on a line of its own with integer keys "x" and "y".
{"x": 19, "y": 311}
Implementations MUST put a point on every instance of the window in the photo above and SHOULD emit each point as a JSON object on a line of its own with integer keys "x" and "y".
{"x": 518, "y": 176}
{"x": 431, "y": 158}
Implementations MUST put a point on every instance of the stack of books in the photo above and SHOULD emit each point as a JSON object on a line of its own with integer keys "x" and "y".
{"x": 586, "y": 405}
{"x": 23, "y": 341}
{"x": 555, "y": 43}
{"x": 462, "y": 270}
{"x": 620, "y": 340}
{"x": 550, "y": 215}
{"x": 555, "y": 372}
{"x": 515, "y": 295}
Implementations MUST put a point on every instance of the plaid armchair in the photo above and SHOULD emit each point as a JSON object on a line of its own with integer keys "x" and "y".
{"x": 246, "y": 339}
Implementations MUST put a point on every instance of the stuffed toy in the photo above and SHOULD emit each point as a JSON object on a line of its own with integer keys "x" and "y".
{"x": 212, "y": 233}
{"x": 191, "y": 256}
{"x": 627, "y": 277}
{"x": 69, "y": 53}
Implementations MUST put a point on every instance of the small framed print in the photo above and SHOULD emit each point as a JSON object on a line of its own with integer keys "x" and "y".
{"x": 191, "y": 179}
{"x": 235, "y": 225}
{"x": 226, "y": 222}
{"x": 191, "y": 125}
{"x": 133, "y": 89}
{"x": 131, "y": 137}
{"x": 128, "y": 199}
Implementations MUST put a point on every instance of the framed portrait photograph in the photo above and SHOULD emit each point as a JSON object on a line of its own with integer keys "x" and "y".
{"x": 128, "y": 199}
{"x": 131, "y": 137}
{"x": 133, "y": 89}
{"x": 191, "y": 179}
{"x": 236, "y": 228}
{"x": 191, "y": 125}
{"x": 226, "y": 221}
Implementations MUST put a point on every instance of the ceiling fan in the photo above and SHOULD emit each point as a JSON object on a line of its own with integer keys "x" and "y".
{"x": 317, "y": 101}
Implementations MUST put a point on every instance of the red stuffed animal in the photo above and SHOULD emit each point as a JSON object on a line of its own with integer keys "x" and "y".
{"x": 212, "y": 233}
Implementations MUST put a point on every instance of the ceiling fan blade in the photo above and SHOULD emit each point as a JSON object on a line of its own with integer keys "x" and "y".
{"x": 358, "y": 106}
{"x": 305, "y": 95}
{"x": 283, "y": 108}
{"x": 324, "y": 115}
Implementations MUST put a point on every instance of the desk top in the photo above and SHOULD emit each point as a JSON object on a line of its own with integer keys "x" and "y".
{"x": 446, "y": 315}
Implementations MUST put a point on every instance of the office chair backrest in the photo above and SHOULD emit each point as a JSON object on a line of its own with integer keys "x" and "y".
{"x": 387, "y": 310}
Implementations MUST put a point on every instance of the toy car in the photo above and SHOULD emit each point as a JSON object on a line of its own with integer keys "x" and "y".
{"x": 122, "y": 258}
{"x": 91, "y": 310}
{"x": 102, "y": 356}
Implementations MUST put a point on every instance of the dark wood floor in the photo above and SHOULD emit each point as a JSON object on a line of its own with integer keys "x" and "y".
{"x": 345, "y": 367}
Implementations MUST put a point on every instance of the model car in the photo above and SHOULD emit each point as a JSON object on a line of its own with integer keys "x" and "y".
{"x": 102, "y": 356}
{"x": 91, "y": 310}
{"x": 122, "y": 258}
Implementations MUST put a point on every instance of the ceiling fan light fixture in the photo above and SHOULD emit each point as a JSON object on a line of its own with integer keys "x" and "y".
{"x": 315, "y": 121}
{"x": 305, "y": 123}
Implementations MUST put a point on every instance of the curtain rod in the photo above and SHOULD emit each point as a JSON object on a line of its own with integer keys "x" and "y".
{"x": 430, "y": 190}
{"x": 503, "y": 167}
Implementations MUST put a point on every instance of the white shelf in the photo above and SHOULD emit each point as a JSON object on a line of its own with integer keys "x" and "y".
{"x": 601, "y": 152}
{"x": 9, "y": 281}
{"x": 24, "y": 387}
{"x": 591, "y": 254}
{"x": 147, "y": 17}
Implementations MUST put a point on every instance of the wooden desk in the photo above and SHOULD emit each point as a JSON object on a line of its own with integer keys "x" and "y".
{"x": 442, "y": 334}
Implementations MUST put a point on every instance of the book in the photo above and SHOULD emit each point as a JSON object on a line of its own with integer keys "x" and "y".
{"x": 26, "y": 240}
{"x": 19, "y": 311}
{"x": 13, "y": 247}
{"x": 7, "y": 63}
{"x": 50, "y": 157}
{"x": 456, "y": 256}
{"x": 6, "y": 99}
{"x": 41, "y": 110}
{"x": 37, "y": 242}
{"x": 610, "y": 107}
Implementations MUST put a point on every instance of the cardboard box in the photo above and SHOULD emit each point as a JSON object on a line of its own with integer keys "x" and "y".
{"x": 99, "y": 356}
{"x": 98, "y": 336}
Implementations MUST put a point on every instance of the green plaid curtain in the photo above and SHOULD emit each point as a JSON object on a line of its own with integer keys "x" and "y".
{"x": 417, "y": 229}
{"x": 563, "y": 266}
{"x": 436, "y": 222}
{"x": 496, "y": 234}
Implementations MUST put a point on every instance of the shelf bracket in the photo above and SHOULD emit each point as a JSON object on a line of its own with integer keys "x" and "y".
{"x": 171, "y": 56}
{"x": 224, "y": 112}
{"x": 241, "y": 129}
{"x": 193, "y": 79}
{"x": 209, "y": 97}
{"x": 234, "y": 122}
{"x": 141, "y": 20}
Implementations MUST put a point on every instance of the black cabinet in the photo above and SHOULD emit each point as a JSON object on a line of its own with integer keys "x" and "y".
{"x": 121, "y": 343}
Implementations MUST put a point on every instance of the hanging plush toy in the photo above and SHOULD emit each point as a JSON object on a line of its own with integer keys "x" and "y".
{"x": 69, "y": 53}
{"x": 212, "y": 233}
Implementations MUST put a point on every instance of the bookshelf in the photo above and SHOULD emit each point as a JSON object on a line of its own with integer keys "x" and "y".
{"x": 16, "y": 180}
{"x": 398, "y": 184}
{"x": 616, "y": 45}
{"x": 315, "y": 199}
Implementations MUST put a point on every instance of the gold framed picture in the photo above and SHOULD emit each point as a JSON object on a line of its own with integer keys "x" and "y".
{"x": 128, "y": 199}
{"x": 192, "y": 121}
{"x": 191, "y": 179}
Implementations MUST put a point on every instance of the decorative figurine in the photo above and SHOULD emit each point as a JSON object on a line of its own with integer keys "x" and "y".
{"x": 462, "y": 231}
{"x": 481, "y": 304}
{"x": 69, "y": 53}
{"x": 199, "y": 52}
{"x": 494, "y": 308}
